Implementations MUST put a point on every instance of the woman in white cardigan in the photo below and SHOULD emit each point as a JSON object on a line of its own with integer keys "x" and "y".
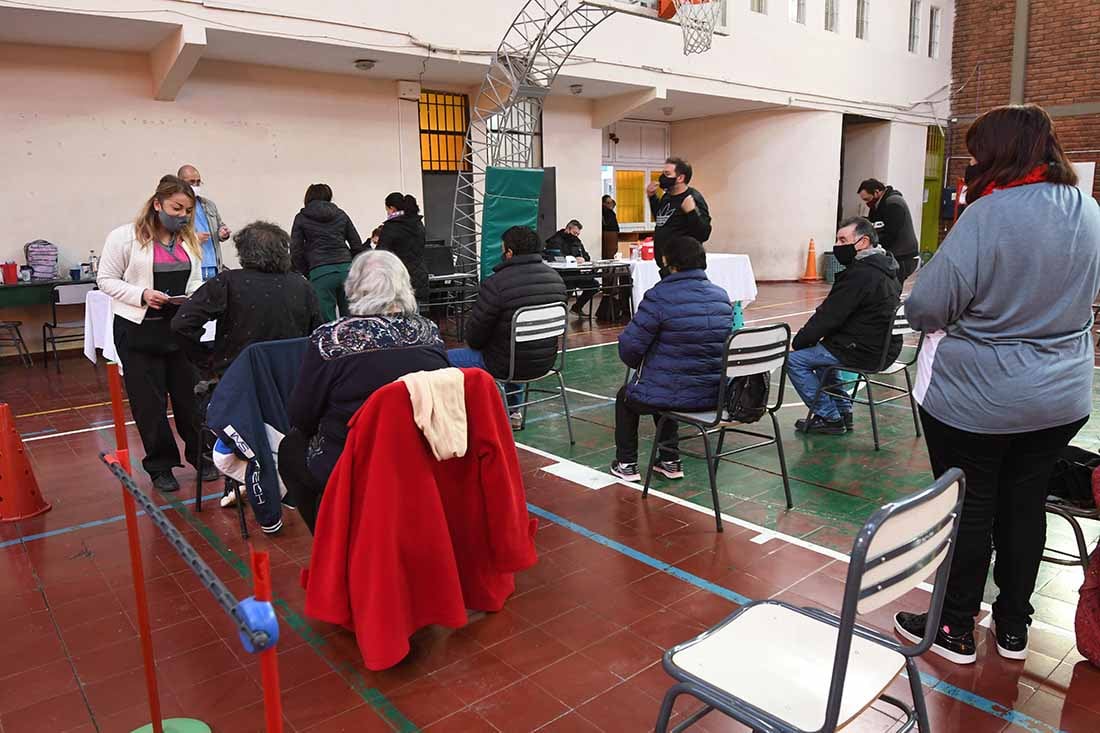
{"x": 146, "y": 266}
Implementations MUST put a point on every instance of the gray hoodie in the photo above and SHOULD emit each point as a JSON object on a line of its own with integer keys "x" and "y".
{"x": 1012, "y": 286}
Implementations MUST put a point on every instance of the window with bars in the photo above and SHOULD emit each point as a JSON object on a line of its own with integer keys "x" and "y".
{"x": 515, "y": 136}
{"x": 798, "y": 11}
{"x": 863, "y": 18}
{"x": 934, "y": 33}
{"x": 444, "y": 118}
{"x": 914, "y": 26}
{"x": 831, "y": 15}
{"x": 759, "y": 6}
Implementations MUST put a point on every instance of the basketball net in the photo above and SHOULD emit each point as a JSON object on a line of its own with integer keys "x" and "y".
{"x": 698, "y": 19}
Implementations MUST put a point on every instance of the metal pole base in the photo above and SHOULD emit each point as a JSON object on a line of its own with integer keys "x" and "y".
{"x": 178, "y": 725}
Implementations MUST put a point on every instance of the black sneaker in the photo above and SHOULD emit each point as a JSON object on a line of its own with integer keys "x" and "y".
{"x": 669, "y": 469}
{"x": 959, "y": 648}
{"x": 626, "y": 471}
{"x": 818, "y": 424}
{"x": 1010, "y": 645}
{"x": 849, "y": 421}
{"x": 165, "y": 482}
{"x": 210, "y": 472}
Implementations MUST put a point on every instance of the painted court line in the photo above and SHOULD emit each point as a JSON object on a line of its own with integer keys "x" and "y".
{"x": 1033, "y": 725}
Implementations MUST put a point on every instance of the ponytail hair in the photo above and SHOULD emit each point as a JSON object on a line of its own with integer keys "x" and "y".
{"x": 403, "y": 202}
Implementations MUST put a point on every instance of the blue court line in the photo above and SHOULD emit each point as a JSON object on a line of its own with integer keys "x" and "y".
{"x": 47, "y": 431}
{"x": 85, "y": 525}
{"x": 1028, "y": 723}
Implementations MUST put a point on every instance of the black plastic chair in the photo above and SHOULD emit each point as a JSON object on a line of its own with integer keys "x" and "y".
{"x": 782, "y": 669}
{"x": 749, "y": 351}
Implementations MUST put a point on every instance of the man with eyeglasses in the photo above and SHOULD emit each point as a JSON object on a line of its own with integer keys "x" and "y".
{"x": 209, "y": 226}
{"x": 848, "y": 328}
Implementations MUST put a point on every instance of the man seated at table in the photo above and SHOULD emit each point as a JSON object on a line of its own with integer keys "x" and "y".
{"x": 848, "y": 328}
{"x": 521, "y": 279}
{"x": 675, "y": 342}
{"x": 263, "y": 301}
{"x": 567, "y": 243}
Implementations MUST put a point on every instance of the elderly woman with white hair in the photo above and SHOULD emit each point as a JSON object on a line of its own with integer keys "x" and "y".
{"x": 348, "y": 359}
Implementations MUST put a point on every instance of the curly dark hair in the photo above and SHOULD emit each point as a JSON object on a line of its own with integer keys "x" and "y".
{"x": 263, "y": 246}
{"x": 521, "y": 241}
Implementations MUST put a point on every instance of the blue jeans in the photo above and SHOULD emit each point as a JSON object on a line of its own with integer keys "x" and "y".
{"x": 806, "y": 368}
{"x": 470, "y": 358}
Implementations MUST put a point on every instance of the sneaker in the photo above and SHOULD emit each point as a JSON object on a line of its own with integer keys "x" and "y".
{"x": 626, "y": 471}
{"x": 166, "y": 482}
{"x": 849, "y": 421}
{"x": 959, "y": 648}
{"x": 669, "y": 469}
{"x": 1009, "y": 645}
{"x": 578, "y": 309}
{"x": 516, "y": 418}
{"x": 818, "y": 424}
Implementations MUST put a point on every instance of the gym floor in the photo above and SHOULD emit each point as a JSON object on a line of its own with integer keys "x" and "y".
{"x": 577, "y": 648}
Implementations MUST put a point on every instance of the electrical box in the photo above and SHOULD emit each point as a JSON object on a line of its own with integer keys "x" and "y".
{"x": 409, "y": 90}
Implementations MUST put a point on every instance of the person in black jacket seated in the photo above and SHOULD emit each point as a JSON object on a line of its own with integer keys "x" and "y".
{"x": 893, "y": 222}
{"x": 403, "y": 234}
{"x": 567, "y": 243}
{"x": 347, "y": 360}
{"x": 849, "y": 327}
{"x": 521, "y": 279}
{"x": 263, "y": 301}
{"x": 322, "y": 243}
{"x": 680, "y": 212}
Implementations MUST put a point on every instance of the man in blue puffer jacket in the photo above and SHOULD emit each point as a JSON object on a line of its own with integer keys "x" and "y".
{"x": 675, "y": 342}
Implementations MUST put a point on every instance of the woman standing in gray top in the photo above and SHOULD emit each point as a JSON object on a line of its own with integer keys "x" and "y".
{"x": 1006, "y": 381}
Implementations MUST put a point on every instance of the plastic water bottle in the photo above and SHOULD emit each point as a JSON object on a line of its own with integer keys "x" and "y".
{"x": 93, "y": 262}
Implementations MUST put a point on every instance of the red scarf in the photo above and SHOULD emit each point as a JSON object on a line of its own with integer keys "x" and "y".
{"x": 1038, "y": 174}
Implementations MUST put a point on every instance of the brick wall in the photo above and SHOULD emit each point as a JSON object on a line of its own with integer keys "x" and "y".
{"x": 1063, "y": 67}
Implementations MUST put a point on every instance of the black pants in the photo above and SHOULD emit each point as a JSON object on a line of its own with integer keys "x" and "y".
{"x": 1006, "y": 490}
{"x": 627, "y": 413}
{"x": 906, "y": 266}
{"x": 152, "y": 372}
{"x": 587, "y": 286}
{"x": 301, "y": 485}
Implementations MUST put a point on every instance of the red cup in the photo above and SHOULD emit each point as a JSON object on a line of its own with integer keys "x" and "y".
{"x": 11, "y": 273}
{"x": 647, "y": 251}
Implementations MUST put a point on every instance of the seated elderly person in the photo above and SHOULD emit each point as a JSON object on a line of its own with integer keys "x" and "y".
{"x": 383, "y": 339}
{"x": 263, "y": 301}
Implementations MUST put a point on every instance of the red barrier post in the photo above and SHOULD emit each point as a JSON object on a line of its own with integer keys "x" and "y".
{"x": 122, "y": 452}
{"x": 269, "y": 662}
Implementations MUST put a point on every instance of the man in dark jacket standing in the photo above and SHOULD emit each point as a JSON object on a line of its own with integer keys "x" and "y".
{"x": 567, "y": 243}
{"x": 893, "y": 222}
{"x": 521, "y": 279}
{"x": 849, "y": 328}
{"x": 680, "y": 212}
{"x": 675, "y": 341}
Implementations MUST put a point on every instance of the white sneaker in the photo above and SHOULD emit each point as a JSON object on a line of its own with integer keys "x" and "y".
{"x": 516, "y": 418}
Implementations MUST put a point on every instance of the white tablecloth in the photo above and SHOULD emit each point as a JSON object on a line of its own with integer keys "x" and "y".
{"x": 733, "y": 273}
{"x": 99, "y": 326}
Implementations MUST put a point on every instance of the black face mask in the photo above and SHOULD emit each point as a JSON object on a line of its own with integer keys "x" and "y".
{"x": 845, "y": 253}
{"x": 666, "y": 182}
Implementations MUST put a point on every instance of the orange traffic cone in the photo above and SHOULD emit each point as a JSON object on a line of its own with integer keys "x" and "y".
{"x": 811, "y": 265}
{"x": 19, "y": 495}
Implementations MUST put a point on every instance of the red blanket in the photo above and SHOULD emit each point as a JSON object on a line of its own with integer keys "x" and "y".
{"x": 403, "y": 540}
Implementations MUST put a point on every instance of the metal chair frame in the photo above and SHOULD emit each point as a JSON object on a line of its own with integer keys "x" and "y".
{"x": 1071, "y": 514}
{"x": 855, "y": 592}
{"x": 544, "y": 326}
{"x": 839, "y": 390}
{"x": 10, "y": 334}
{"x": 203, "y": 430}
{"x": 737, "y": 361}
{"x": 52, "y": 340}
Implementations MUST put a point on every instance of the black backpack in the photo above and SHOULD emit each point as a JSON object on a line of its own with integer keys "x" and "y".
{"x": 1071, "y": 481}
{"x": 747, "y": 397}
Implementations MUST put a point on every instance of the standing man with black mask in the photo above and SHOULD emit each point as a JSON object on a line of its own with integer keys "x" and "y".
{"x": 681, "y": 211}
{"x": 893, "y": 223}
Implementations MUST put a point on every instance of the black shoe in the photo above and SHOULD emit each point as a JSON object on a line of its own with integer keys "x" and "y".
{"x": 669, "y": 469}
{"x": 849, "y": 421}
{"x": 954, "y": 647}
{"x": 818, "y": 424}
{"x": 626, "y": 471}
{"x": 210, "y": 472}
{"x": 1010, "y": 645}
{"x": 578, "y": 309}
{"x": 165, "y": 482}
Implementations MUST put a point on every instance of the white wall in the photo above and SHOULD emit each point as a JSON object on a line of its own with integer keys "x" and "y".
{"x": 908, "y": 145}
{"x": 866, "y": 155}
{"x": 770, "y": 179}
{"x": 570, "y": 144}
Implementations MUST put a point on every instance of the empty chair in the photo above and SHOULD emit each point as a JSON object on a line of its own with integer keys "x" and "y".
{"x": 777, "y": 667}
{"x": 63, "y": 295}
{"x": 10, "y": 335}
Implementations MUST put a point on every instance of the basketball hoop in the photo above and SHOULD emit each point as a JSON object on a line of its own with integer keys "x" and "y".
{"x": 698, "y": 19}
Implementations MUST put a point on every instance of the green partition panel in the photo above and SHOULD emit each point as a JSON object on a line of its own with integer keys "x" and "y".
{"x": 511, "y": 199}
